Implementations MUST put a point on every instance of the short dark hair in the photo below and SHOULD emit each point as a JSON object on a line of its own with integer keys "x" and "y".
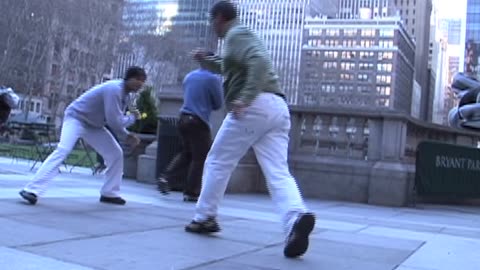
{"x": 227, "y": 9}
{"x": 135, "y": 72}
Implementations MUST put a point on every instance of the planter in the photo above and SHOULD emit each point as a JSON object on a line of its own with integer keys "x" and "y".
{"x": 130, "y": 156}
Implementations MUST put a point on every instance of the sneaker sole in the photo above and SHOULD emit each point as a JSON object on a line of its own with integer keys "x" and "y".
{"x": 203, "y": 231}
{"x": 30, "y": 200}
{"x": 302, "y": 229}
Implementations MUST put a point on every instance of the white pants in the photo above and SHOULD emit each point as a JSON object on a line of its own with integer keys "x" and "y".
{"x": 100, "y": 139}
{"x": 265, "y": 126}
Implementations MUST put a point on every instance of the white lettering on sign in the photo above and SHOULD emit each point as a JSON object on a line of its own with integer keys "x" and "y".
{"x": 457, "y": 163}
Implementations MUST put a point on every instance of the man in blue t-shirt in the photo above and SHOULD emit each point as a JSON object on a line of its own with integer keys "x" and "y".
{"x": 203, "y": 93}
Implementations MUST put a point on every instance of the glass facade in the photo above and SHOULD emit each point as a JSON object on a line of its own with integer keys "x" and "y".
{"x": 472, "y": 46}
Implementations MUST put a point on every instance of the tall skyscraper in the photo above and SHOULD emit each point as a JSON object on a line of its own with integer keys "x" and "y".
{"x": 416, "y": 17}
{"x": 280, "y": 24}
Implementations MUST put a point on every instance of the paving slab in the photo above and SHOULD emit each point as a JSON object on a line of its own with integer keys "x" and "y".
{"x": 20, "y": 260}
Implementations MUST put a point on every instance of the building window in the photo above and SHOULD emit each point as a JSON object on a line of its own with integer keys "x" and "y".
{"x": 367, "y": 55}
{"x": 387, "y": 33}
{"x": 333, "y": 32}
{"x": 362, "y": 77}
{"x": 331, "y": 54}
{"x": 366, "y": 66}
{"x": 368, "y": 32}
{"x": 330, "y": 65}
{"x": 347, "y": 66}
{"x": 350, "y": 32}
{"x": 384, "y": 79}
{"x": 347, "y": 77}
{"x": 384, "y": 67}
{"x": 386, "y": 43}
{"x": 384, "y": 90}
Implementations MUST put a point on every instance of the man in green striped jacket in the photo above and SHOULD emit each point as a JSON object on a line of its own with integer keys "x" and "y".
{"x": 258, "y": 117}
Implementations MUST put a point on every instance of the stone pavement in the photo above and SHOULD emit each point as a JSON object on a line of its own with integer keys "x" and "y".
{"x": 70, "y": 230}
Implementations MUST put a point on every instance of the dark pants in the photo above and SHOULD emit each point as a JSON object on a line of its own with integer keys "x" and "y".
{"x": 196, "y": 139}
{"x": 100, "y": 160}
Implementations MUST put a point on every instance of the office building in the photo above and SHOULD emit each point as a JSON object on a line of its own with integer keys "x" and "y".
{"x": 365, "y": 64}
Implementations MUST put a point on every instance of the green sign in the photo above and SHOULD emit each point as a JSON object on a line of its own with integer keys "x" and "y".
{"x": 447, "y": 169}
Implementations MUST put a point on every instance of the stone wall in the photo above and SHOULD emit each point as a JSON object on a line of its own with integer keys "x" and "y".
{"x": 366, "y": 157}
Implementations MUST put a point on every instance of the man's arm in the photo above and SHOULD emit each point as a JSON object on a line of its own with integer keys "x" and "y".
{"x": 216, "y": 93}
{"x": 114, "y": 115}
{"x": 244, "y": 46}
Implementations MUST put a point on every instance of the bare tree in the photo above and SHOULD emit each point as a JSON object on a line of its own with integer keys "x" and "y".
{"x": 26, "y": 30}
{"x": 85, "y": 33}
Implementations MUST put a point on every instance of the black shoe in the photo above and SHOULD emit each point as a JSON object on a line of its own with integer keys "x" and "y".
{"x": 113, "y": 200}
{"x": 188, "y": 198}
{"x": 297, "y": 241}
{"x": 99, "y": 168}
{"x": 162, "y": 186}
{"x": 203, "y": 227}
{"x": 29, "y": 196}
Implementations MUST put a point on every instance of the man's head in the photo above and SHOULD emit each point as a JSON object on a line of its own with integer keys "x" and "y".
{"x": 221, "y": 15}
{"x": 207, "y": 54}
{"x": 134, "y": 78}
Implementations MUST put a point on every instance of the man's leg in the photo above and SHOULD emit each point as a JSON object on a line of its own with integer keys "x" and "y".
{"x": 72, "y": 129}
{"x": 233, "y": 139}
{"x": 199, "y": 136}
{"x": 179, "y": 163}
{"x": 105, "y": 144}
{"x": 272, "y": 154}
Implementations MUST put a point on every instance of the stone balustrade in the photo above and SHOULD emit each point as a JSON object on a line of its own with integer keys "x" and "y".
{"x": 342, "y": 154}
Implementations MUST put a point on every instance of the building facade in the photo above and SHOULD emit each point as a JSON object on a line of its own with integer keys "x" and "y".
{"x": 416, "y": 17}
{"x": 367, "y": 64}
{"x": 365, "y": 9}
{"x": 472, "y": 39}
{"x": 280, "y": 24}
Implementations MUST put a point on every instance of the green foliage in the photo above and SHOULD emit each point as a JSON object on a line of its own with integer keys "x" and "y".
{"x": 146, "y": 104}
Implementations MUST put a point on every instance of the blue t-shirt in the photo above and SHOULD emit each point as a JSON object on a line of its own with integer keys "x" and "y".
{"x": 203, "y": 94}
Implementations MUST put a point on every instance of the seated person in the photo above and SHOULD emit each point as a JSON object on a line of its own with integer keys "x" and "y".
{"x": 8, "y": 101}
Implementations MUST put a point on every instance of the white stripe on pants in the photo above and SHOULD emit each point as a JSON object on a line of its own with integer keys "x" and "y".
{"x": 265, "y": 126}
{"x": 100, "y": 139}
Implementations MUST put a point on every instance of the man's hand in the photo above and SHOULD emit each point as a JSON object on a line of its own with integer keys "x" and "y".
{"x": 132, "y": 141}
{"x": 198, "y": 54}
{"x": 238, "y": 108}
{"x": 136, "y": 114}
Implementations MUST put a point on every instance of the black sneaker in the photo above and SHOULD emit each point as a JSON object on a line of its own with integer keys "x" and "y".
{"x": 99, "y": 168}
{"x": 29, "y": 196}
{"x": 297, "y": 240}
{"x": 188, "y": 198}
{"x": 113, "y": 200}
{"x": 162, "y": 186}
{"x": 203, "y": 227}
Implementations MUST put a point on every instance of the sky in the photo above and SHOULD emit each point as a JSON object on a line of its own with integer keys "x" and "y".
{"x": 451, "y": 8}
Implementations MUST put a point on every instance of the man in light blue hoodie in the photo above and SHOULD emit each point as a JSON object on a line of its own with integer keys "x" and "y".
{"x": 86, "y": 118}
